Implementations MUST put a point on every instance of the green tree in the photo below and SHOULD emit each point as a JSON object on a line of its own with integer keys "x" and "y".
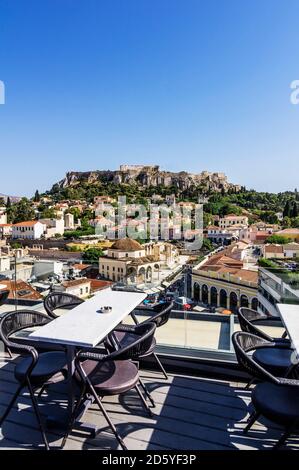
{"x": 92, "y": 254}
{"x": 36, "y": 196}
{"x": 278, "y": 239}
{"x": 21, "y": 211}
{"x": 287, "y": 209}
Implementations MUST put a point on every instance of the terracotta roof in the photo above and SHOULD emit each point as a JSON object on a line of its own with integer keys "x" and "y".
{"x": 288, "y": 231}
{"x": 23, "y": 290}
{"x": 126, "y": 244}
{"x": 97, "y": 284}
{"x": 81, "y": 266}
{"x": 27, "y": 223}
{"x": 76, "y": 282}
{"x": 273, "y": 248}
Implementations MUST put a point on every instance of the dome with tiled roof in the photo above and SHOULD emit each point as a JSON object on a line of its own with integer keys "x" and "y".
{"x": 126, "y": 244}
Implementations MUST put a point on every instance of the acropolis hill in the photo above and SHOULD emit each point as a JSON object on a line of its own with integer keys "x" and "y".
{"x": 149, "y": 176}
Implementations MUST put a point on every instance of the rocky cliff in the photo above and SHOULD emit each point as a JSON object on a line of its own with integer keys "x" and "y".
{"x": 150, "y": 176}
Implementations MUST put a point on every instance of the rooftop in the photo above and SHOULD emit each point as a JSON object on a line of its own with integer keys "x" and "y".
{"x": 191, "y": 413}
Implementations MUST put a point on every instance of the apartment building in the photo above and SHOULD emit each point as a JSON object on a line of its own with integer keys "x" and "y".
{"x": 222, "y": 281}
{"x": 31, "y": 230}
{"x": 3, "y": 215}
{"x": 53, "y": 227}
{"x": 231, "y": 219}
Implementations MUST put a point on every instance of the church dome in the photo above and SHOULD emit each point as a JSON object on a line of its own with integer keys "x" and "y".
{"x": 126, "y": 244}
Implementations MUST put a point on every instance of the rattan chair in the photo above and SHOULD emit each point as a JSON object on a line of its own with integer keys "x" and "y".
{"x": 160, "y": 316}
{"x": 34, "y": 371}
{"x": 103, "y": 375}
{"x": 3, "y": 297}
{"x": 60, "y": 300}
{"x": 276, "y": 398}
{"x": 248, "y": 320}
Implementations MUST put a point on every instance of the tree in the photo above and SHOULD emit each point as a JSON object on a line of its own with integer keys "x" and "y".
{"x": 278, "y": 239}
{"x": 294, "y": 211}
{"x": 287, "y": 209}
{"x": 8, "y": 203}
{"x": 92, "y": 255}
{"x": 36, "y": 196}
{"x": 21, "y": 211}
{"x": 48, "y": 213}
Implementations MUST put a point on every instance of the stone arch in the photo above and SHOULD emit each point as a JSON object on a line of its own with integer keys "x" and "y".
{"x": 254, "y": 303}
{"x": 233, "y": 301}
{"x": 142, "y": 274}
{"x": 196, "y": 291}
{"x": 244, "y": 301}
{"x": 205, "y": 294}
{"x": 149, "y": 273}
{"x": 223, "y": 298}
{"x": 214, "y": 296}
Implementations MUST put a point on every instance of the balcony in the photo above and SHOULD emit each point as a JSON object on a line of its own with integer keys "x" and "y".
{"x": 193, "y": 413}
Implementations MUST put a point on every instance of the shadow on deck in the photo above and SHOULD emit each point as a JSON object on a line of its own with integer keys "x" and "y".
{"x": 190, "y": 413}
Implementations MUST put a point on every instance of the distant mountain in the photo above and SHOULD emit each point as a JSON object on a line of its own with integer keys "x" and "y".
{"x": 12, "y": 198}
{"x": 148, "y": 176}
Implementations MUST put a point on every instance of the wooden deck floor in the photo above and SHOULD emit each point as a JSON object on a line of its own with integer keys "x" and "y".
{"x": 191, "y": 413}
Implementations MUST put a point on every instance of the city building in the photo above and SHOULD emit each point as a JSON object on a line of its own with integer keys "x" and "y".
{"x": 3, "y": 216}
{"x": 5, "y": 230}
{"x": 127, "y": 260}
{"x": 231, "y": 219}
{"x": 79, "y": 287}
{"x": 53, "y": 227}
{"x": 32, "y": 229}
{"x": 222, "y": 281}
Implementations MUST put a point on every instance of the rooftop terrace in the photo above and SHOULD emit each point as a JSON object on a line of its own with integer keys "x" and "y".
{"x": 191, "y": 413}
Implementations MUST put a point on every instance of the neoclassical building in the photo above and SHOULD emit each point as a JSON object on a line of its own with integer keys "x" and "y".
{"x": 222, "y": 281}
{"x": 127, "y": 260}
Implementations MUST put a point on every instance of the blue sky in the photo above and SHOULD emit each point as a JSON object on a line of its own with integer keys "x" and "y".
{"x": 188, "y": 84}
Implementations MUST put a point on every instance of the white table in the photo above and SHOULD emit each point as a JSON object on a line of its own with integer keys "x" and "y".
{"x": 85, "y": 326}
{"x": 290, "y": 317}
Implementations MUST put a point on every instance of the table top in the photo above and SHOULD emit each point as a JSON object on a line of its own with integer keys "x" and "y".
{"x": 290, "y": 317}
{"x": 85, "y": 325}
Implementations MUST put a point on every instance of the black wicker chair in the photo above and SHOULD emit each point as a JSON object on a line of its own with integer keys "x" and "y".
{"x": 107, "y": 374}
{"x": 3, "y": 297}
{"x": 248, "y": 319}
{"x": 160, "y": 317}
{"x": 276, "y": 398}
{"x": 35, "y": 370}
{"x": 4, "y": 293}
{"x": 60, "y": 300}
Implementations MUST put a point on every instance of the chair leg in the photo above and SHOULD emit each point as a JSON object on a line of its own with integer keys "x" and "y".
{"x": 160, "y": 365}
{"x": 106, "y": 416}
{"x": 249, "y": 383}
{"x": 143, "y": 401}
{"x": 11, "y": 404}
{"x": 42, "y": 390}
{"x": 9, "y": 352}
{"x": 73, "y": 417}
{"x": 38, "y": 415}
{"x": 284, "y": 437}
{"x": 252, "y": 419}
{"x": 147, "y": 393}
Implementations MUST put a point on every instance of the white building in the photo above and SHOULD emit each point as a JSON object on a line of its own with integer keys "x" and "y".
{"x": 53, "y": 227}
{"x": 3, "y": 215}
{"x": 31, "y": 230}
{"x": 78, "y": 287}
{"x": 69, "y": 221}
{"x": 231, "y": 219}
{"x": 4, "y": 263}
{"x": 44, "y": 268}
